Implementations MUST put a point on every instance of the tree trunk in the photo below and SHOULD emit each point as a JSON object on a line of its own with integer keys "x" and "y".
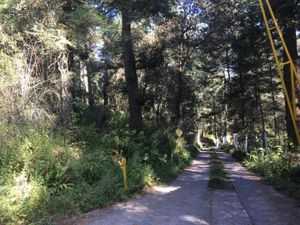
{"x": 274, "y": 105}
{"x": 157, "y": 115}
{"x": 66, "y": 96}
{"x": 228, "y": 71}
{"x": 178, "y": 101}
{"x": 85, "y": 76}
{"x": 242, "y": 92}
{"x": 86, "y": 83}
{"x": 135, "y": 109}
{"x": 215, "y": 118}
{"x": 24, "y": 73}
{"x": 289, "y": 34}
{"x": 84, "y": 80}
{"x": 261, "y": 112}
{"x": 105, "y": 87}
{"x": 227, "y": 90}
{"x": 177, "y": 108}
{"x": 104, "y": 81}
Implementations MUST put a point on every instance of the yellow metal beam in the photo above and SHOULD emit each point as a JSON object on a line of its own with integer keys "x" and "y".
{"x": 294, "y": 76}
{"x": 286, "y": 50}
{"x": 124, "y": 173}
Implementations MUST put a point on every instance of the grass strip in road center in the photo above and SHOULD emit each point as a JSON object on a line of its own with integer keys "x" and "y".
{"x": 218, "y": 178}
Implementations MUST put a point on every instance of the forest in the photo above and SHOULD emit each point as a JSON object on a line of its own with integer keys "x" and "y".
{"x": 87, "y": 83}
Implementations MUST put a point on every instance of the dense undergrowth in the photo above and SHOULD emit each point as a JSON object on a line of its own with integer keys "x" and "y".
{"x": 276, "y": 165}
{"x": 46, "y": 173}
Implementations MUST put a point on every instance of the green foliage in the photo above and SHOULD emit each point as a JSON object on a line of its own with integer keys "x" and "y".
{"x": 81, "y": 19}
{"x": 238, "y": 154}
{"x": 168, "y": 155}
{"x": 277, "y": 166}
{"x": 124, "y": 142}
{"x": 46, "y": 174}
{"x": 271, "y": 164}
{"x": 226, "y": 148}
{"x": 208, "y": 141}
{"x": 234, "y": 152}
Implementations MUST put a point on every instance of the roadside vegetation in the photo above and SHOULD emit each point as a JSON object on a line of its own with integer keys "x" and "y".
{"x": 277, "y": 165}
{"x": 48, "y": 174}
{"x": 84, "y": 84}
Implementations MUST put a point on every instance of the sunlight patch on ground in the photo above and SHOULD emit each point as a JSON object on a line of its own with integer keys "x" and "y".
{"x": 193, "y": 220}
{"x": 245, "y": 176}
{"x": 166, "y": 190}
{"x": 135, "y": 208}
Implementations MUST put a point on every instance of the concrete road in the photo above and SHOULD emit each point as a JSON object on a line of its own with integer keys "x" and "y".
{"x": 188, "y": 201}
{"x": 264, "y": 205}
{"x": 185, "y": 201}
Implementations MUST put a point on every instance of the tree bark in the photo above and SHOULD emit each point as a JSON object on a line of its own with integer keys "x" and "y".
{"x": 135, "y": 108}
{"x": 261, "y": 112}
{"x": 289, "y": 34}
{"x": 227, "y": 89}
{"x": 178, "y": 100}
{"x": 86, "y": 82}
{"x": 66, "y": 96}
{"x": 274, "y": 104}
{"x": 105, "y": 87}
{"x": 215, "y": 118}
{"x": 242, "y": 93}
{"x": 24, "y": 74}
{"x": 104, "y": 81}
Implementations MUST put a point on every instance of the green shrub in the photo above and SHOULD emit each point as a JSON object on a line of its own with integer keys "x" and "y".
{"x": 46, "y": 174}
{"x": 169, "y": 154}
{"x": 238, "y": 154}
{"x": 208, "y": 141}
{"x": 270, "y": 164}
{"x": 227, "y": 147}
{"x": 295, "y": 173}
{"x": 278, "y": 167}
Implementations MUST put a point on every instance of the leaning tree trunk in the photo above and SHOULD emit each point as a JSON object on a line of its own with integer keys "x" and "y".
{"x": 135, "y": 108}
